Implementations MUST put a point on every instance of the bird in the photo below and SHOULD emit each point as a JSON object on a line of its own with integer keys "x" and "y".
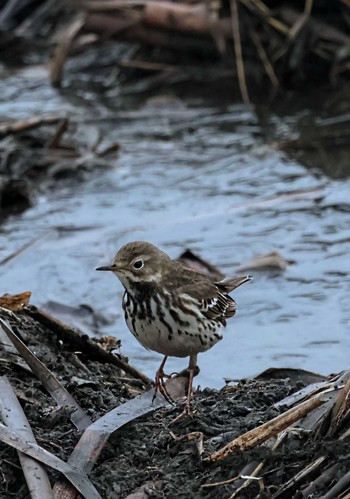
{"x": 170, "y": 308}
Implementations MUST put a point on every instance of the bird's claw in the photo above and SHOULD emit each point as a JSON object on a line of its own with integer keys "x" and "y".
{"x": 187, "y": 412}
{"x": 159, "y": 385}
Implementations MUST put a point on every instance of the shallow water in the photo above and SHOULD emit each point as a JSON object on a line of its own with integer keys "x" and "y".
{"x": 199, "y": 177}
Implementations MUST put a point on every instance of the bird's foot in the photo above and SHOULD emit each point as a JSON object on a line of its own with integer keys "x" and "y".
{"x": 186, "y": 413}
{"x": 159, "y": 385}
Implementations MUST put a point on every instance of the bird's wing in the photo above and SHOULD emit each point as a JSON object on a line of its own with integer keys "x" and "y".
{"x": 211, "y": 298}
{"x": 213, "y": 302}
{"x": 231, "y": 283}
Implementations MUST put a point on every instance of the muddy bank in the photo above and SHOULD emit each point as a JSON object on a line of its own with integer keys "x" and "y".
{"x": 158, "y": 459}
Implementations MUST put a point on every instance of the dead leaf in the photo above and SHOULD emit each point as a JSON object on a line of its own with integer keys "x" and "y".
{"x": 15, "y": 302}
{"x": 108, "y": 343}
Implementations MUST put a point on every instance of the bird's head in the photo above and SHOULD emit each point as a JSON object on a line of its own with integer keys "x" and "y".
{"x": 137, "y": 262}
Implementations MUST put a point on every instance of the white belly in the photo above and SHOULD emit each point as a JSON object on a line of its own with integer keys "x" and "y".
{"x": 165, "y": 335}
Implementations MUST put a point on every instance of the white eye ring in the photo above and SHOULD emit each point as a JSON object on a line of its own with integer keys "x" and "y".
{"x": 138, "y": 264}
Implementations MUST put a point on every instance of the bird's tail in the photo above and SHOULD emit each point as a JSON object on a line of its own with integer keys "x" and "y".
{"x": 231, "y": 283}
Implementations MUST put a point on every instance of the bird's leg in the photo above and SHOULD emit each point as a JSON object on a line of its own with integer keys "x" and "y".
{"x": 159, "y": 382}
{"x": 191, "y": 370}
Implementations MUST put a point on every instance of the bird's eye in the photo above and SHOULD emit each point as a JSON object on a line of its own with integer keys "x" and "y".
{"x": 138, "y": 264}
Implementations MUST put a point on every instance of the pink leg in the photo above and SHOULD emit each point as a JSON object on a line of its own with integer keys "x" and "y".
{"x": 159, "y": 383}
{"x": 192, "y": 370}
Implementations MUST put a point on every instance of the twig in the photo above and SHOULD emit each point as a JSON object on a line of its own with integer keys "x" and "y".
{"x": 238, "y": 52}
{"x": 147, "y": 66}
{"x": 55, "y": 140}
{"x": 36, "y": 19}
{"x": 257, "y": 470}
{"x": 8, "y": 351}
{"x": 264, "y": 58}
{"x": 105, "y": 5}
{"x": 217, "y": 484}
{"x": 249, "y": 479}
{"x": 21, "y": 125}
{"x": 266, "y": 15}
{"x": 61, "y": 52}
{"x": 301, "y": 21}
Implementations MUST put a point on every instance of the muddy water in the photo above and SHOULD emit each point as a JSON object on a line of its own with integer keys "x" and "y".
{"x": 193, "y": 176}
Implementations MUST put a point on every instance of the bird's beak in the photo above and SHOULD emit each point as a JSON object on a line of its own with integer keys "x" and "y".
{"x": 107, "y": 267}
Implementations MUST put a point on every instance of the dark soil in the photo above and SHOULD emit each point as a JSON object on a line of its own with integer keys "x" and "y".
{"x": 164, "y": 460}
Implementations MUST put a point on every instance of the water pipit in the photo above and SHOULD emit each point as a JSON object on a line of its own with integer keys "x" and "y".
{"x": 170, "y": 308}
